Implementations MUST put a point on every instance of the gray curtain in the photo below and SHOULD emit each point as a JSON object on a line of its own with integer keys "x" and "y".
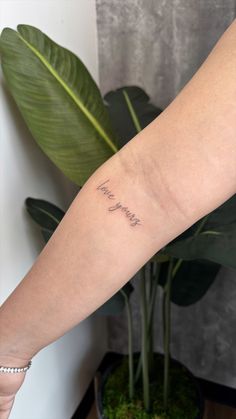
{"x": 159, "y": 45}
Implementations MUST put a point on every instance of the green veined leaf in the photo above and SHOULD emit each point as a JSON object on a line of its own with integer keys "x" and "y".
{"x": 59, "y": 101}
{"x": 191, "y": 282}
{"x": 218, "y": 248}
{"x": 46, "y": 215}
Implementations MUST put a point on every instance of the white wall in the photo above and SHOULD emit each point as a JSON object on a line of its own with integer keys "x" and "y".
{"x": 61, "y": 373}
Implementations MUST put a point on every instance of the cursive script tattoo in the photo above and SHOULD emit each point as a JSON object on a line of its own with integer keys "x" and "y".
{"x": 118, "y": 206}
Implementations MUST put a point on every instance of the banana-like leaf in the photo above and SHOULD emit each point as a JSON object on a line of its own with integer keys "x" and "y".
{"x": 201, "y": 250}
{"x": 217, "y": 246}
{"x": 224, "y": 214}
{"x": 45, "y": 214}
{"x": 212, "y": 238}
{"x": 191, "y": 282}
{"x": 48, "y": 216}
{"x": 59, "y": 101}
{"x": 130, "y": 110}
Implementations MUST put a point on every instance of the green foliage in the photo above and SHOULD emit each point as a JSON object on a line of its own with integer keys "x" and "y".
{"x": 130, "y": 111}
{"x": 218, "y": 246}
{"x": 191, "y": 282}
{"x": 215, "y": 241}
{"x": 46, "y": 215}
{"x": 59, "y": 101}
{"x": 201, "y": 251}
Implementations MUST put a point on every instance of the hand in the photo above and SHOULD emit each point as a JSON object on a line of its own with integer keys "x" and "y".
{"x": 10, "y": 384}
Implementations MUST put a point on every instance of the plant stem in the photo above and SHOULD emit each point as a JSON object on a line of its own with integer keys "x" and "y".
{"x": 172, "y": 270}
{"x": 153, "y": 296}
{"x": 130, "y": 345}
{"x": 149, "y": 318}
{"x": 138, "y": 369}
{"x": 167, "y": 331}
{"x": 144, "y": 353}
{"x": 151, "y": 305}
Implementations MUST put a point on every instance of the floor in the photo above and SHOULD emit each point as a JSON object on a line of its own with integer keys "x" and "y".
{"x": 213, "y": 411}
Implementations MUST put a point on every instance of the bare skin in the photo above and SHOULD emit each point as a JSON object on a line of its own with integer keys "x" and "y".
{"x": 178, "y": 169}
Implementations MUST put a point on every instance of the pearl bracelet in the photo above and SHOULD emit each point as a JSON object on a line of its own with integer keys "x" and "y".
{"x": 14, "y": 370}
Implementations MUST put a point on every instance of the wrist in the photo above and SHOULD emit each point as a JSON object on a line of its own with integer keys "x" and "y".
{"x": 7, "y": 360}
{"x": 12, "y": 353}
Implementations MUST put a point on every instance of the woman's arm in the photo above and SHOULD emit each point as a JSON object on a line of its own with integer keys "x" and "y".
{"x": 179, "y": 168}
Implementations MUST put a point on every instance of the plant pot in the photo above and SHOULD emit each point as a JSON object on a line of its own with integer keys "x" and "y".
{"x": 101, "y": 379}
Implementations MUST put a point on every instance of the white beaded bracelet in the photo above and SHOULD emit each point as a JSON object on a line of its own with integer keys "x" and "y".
{"x": 14, "y": 370}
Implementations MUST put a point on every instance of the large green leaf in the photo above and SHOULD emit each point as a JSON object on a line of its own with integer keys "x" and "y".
{"x": 191, "y": 281}
{"x": 224, "y": 214}
{"x": 45, "y": 214}
{"x": 201, "y": 250}
{"x": 59, "y": 101}
{"x": 217, "y": 246}
{"x": 130, "y": 110}
{"x": 212, "y": 238}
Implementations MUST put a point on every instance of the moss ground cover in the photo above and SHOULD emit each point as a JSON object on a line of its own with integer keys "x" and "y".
{"x": 183, "y": 402}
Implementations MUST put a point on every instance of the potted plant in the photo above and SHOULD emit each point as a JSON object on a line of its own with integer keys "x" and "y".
{"x": 62, "y": 105}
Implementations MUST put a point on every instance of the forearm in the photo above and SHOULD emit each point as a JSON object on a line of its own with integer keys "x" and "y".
{"x": 175, "y": 171}
{"x": 93, "y": 252}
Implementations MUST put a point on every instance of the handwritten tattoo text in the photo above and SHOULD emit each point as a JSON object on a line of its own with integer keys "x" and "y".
{"x": 117, "y": 205}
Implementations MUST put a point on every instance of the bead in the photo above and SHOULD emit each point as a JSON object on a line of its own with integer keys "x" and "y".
{"x": 14, "y": 370}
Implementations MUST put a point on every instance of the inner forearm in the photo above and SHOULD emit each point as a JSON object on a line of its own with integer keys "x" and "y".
{"x": 111, "y": 229}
